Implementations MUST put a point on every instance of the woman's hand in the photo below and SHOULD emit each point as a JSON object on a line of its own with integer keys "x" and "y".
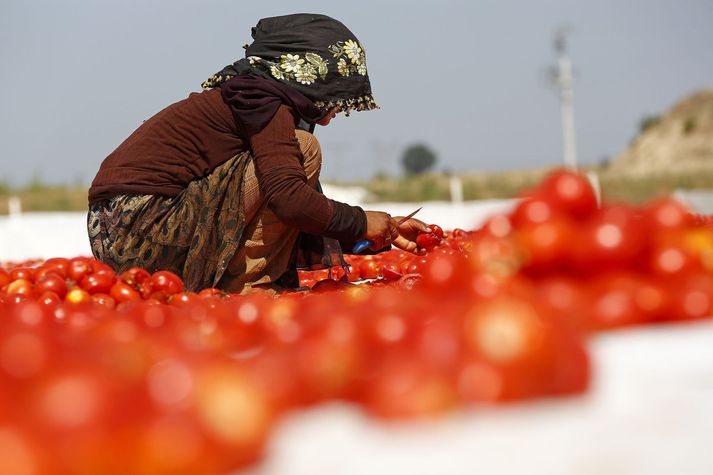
{"x": 408, "y": 231}
{"x": 380, "y": 228}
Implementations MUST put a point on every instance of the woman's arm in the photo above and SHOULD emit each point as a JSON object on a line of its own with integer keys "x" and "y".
{"x": 283, "y": 183}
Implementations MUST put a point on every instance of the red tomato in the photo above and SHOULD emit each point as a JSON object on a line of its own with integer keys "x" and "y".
{"x": 51, "y": 283}
{"x": 427, "y": 240}
{"x": 104, "y": 300}
{"x": 328, "y": 285}
{"x": 613, "y": 302}
{"x": 184, "y": 298}
{"x": 77, "y": 295}
{"x": 546, "y": 245}
{"x": 135, "y": 276}
{"x": 404, "y": 389}
{"x": 532, "y": 210}
{"x": 167, "y": 282}
{"x": 122, "y": 292}
{"x": 391, "y": 271}
{"x": 667, "y": 213}
{"x": 506, "y": 331}
{"x": 444, "y": 273}
{"x": 417, "y": 265}
{"x": 436, "y": 229}
{"x": 692, "y": 298}
{"x": 78, "y": 268}
{"x": 61, "y": 264}
{"x": 210, "y": 292}
{"x": 22, "y": 273}
{"x": 4, "y": 278}
{"x": 50, "y": 269}
{"x": 369, "y": 269}
{"x": 672, "y": 259}
{"x": 49, "y": 298}
{"x": 409, "y": 281}
{"x": 613, "y": 238}
{"x": 19, "y": 287}
{"x": 98, "y": 282}
{"x": 570, "y": 193}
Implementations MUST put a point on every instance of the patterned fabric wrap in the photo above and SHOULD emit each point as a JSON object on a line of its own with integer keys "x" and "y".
{"x": 315, "y": 54}
{"x": 194, "y": 234}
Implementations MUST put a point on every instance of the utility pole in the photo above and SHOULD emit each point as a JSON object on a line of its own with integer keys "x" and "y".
{"x": 562, "y": 78}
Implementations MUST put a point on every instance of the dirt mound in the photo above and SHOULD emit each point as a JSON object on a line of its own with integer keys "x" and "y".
{"x": 681, "y": 140}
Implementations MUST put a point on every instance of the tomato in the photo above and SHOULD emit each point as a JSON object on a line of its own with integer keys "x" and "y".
{"x": 369, "y": 269}
{"x": 24, "y": 273}
{"x": 77, "y": 295}
{"x": 52, "y": 283}
{"x": 546, "y": 245}
{"x": 692, "y": 298}
{"x": 135, "y": 276}
{"x": 532, "y": 210}
{"x": 327, "y": 285}
{"x": 416, "y": 266}
{"x": 49, "y": 298}
{"x": 104, "y": 300}
{"x": 167, "y": 282}
{"x": 569, "y": 193}
{"x": 98, "y": 282}
{"x": 122, "y": 292}
{"x": 4, "y": 278}
{"x": 436, "y": 229}
{"x": 506, "y": 331}
{"x": 444, "y": 273}
{"x": 672, "y": 259}
{"x": 19, "y": 287}
{"x": 210, "y": 292}
{"x": 184, "y": 298}
{"x": 613, "y": 238}
{"x": 667, "y": 214}
{"x": 427, "y": 240}
{"x": 61, "y": 264}
{"x": 391, "y": 271}
{"x": 613, "y": 302}
{"x": 78, "y": 268}
{"x": 45, "y": 269}
{"x": 404, "y": 389}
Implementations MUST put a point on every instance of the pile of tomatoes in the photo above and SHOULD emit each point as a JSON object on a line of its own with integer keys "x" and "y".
{"x": 131, "y": 373}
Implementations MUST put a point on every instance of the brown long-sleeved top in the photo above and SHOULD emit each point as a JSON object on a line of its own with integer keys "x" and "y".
{"x": 188, "y": 139}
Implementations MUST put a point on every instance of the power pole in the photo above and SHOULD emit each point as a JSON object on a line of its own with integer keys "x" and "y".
{"x": 562, "y": 78}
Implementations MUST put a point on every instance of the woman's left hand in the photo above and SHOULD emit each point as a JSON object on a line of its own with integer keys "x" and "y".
{"x": 408, "y": 231}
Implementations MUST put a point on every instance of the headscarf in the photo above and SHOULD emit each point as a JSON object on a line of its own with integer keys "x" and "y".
{"x": 313, "y": 55}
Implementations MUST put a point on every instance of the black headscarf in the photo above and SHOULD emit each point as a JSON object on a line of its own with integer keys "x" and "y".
{"x": 294, "y": 57}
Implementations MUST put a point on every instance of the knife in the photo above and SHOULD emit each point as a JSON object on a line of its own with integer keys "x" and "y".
{"x": 365, "y": 244}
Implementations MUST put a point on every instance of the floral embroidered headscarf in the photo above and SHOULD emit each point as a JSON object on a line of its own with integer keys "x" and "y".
{"x": 314, "y": 54}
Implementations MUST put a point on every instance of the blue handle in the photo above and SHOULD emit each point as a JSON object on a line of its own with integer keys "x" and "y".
{"x": 362, "y": 246}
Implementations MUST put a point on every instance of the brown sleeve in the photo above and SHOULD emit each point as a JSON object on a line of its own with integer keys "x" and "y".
{"x": 282, "y": 180}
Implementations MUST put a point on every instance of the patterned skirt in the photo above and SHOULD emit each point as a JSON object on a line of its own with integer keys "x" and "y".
{"x": 197, "y": 233}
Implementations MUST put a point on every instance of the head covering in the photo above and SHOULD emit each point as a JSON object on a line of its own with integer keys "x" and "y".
{"x": 315, "y": 55}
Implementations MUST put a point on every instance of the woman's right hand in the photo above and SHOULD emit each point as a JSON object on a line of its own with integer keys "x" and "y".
{"x": 380, "y": 228}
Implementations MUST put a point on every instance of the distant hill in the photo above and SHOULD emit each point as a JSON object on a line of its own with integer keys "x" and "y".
{"x": 679, "y": 141}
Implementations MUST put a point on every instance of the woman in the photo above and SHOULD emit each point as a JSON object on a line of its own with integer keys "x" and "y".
{"x": 221, "y": 188}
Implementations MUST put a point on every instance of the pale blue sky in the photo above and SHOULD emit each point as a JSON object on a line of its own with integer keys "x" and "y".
{"x": 468, "y": 78}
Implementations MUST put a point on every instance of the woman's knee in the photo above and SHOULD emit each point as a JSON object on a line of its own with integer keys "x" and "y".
{"x": 312, "y": 154}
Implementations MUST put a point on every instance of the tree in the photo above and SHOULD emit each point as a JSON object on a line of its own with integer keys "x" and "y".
{"x": 417, "y": 159}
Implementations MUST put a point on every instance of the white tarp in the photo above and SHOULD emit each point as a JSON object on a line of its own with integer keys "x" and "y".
{"x": 43, "y": 235}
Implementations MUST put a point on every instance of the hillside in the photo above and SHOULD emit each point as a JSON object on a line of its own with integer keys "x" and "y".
{"x": 679, "y": 141}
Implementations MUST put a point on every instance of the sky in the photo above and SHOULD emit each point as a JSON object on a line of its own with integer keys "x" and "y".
{"x": 469, "y": 79}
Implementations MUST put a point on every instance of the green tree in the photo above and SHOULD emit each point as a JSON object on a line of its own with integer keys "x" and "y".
{"x": 418, "y": 159}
